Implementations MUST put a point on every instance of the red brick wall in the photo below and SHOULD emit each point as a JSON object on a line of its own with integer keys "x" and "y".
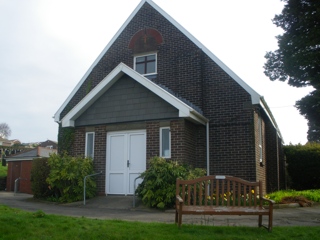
{"x": 275, "y": 160}
{"x": 201, "y": 149}
{"x": 177, "y": 140}
{"x": 79, "y": 141}
{"x": 260, "y": 167}
{"x": 185, "y": 137}
{"x": 153, "y": 140}
{"x": 100, "y": 145}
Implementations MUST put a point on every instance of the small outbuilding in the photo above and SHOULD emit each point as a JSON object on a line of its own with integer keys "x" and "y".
{"x": 19, "y": 168}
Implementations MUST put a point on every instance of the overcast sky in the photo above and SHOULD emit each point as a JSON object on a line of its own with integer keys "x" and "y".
{"x": 46, "y": 46}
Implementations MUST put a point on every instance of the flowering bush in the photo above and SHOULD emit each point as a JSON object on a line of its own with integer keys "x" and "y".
{"x": 229, "y": 198}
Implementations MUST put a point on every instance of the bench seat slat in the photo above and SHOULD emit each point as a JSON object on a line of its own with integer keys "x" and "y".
{"x": 224, "y": 210}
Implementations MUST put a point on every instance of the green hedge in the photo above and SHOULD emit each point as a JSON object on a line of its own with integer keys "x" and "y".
{"x": 39, "y": 172}
{"x": 303, "y": 166}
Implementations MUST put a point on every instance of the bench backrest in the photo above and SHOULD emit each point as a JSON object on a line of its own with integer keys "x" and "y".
{"x": 218, "y": 190}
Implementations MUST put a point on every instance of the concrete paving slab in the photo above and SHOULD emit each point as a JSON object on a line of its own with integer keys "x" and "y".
{"x": 121, "y": 207}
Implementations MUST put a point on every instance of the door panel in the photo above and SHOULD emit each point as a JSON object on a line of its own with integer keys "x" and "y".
{"x": 117, "y": 155}
{"x": 16, "y": 172}
{"x": 118, "y": 184}
{"x": 137, "y": 152}
{"x": 137, "y": 159}
{"x": 115, "y": 164}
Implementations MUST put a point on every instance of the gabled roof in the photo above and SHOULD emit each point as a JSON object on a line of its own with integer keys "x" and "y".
{"x": 255, "y": 97}
{"x": 184, "y": 109}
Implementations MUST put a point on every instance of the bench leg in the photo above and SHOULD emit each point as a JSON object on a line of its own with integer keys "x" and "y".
{"x": 176, "y": 218}
{"x": 260, "y": 221}
{"x": 270, "y": 221}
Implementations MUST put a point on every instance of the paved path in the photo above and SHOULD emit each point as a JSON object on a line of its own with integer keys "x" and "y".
{"x": 120, "y": 207}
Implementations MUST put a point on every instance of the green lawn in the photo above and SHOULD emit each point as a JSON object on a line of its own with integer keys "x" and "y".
{"x": 18, "y": 224}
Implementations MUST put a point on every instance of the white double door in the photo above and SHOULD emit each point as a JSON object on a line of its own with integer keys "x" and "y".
{"x": 126, "y": 160}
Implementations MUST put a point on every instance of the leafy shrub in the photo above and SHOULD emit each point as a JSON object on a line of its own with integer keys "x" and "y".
{"x": 303, "y": 165}
{"x": 312, "y": 195}
{"x": 158, "y": 187}
{"x": 39, "y": 172}
{"x": 67, "y": 174}
{"x": 3, "y": 170}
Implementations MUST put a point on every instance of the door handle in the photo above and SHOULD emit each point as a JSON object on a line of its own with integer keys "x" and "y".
{"x": 128, "y": 163}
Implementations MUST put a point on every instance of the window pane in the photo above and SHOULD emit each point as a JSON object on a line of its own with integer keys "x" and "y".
{"x": 165, "y": 142}
{"x": 151, "y": 67}
{"x": 140, "y": 59}
{"x": 151, "y": 57}
{"x": 89, "y": 146}
{"x": 140, "y": 68}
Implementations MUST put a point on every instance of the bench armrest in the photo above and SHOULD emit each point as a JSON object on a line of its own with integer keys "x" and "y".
{"x": 271, "y": 202}
{"x": 179, "y": 199}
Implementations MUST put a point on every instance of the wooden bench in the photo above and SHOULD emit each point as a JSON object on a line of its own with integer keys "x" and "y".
{"x": 221, "y": 195}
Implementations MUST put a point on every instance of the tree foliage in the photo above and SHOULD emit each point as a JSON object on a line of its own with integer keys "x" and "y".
{"x": 297, "y": 60}
{"x": 298, "y": 57}
{"x": 309, "y": 107}
{"x": 5, "y": 130}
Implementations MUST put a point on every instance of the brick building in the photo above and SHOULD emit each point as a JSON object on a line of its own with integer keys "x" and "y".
{"x": 155, "y": 90}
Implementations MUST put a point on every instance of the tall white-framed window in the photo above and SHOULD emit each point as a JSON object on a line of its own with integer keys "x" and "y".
{"x": 260, "y": 139}
{"x": 146, "y": 64}
{"x": 89, "y": 148}
{"x": 165, "y": 142}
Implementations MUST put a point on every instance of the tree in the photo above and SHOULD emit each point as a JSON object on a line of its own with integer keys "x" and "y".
{"x": 5, "y": 130}
{"x": 297, "y": 61}
{"x": 309, "y": 106}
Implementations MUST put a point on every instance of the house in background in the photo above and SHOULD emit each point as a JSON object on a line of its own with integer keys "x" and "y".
{"x": 49, "y": 144}
{"x": 5, "y": 142}
{"x": 19, "y": 166}
{"x": 155, "y": 90}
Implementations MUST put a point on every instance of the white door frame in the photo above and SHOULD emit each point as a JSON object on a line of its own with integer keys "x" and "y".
{"x": 125, "y": 173}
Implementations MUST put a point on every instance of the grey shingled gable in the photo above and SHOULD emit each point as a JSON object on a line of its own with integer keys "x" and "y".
{"x": 126, "y": 101}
